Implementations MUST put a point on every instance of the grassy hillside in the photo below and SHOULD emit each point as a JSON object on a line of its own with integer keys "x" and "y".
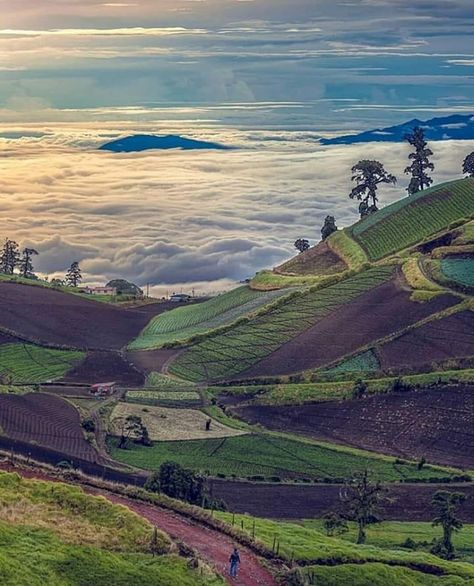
{"x": 185, "y": 322}
{"x": 54, "y": 534}
{"x": 410, "y": 220}
{"x": 230, "y": 353}
{"x": 29, "y": 364}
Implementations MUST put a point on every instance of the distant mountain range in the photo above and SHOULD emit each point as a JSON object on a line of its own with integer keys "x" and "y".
{"x": 145, "y": 142}
{"x": 455, "y": 127}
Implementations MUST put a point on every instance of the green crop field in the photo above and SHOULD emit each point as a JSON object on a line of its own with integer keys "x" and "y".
{"x": 364, "y": 362}
{"x": 161, "y": 382}
{"x": 459, "y": 269}
{"x": 56, "y": 535}
{"x": 185, "y": 322}
{"x": 414, "y": 218}
{"x": 178, "y": 398}
{"x": 269, "y": 456}
{"x": 28, "y": 364}
{"x": 229, "y": 353}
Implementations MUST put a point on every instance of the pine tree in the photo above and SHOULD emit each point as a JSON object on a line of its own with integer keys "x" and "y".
{"x": 468, "y": 165}
{"x": 25, "y": 264}
{"x": 446, "y": 504}
{"x": 368, "y": 175}
{"x": 420, "y": 162}
{"x": 74, "y": 275}
{"x": 9, "y": 257}
{"x": 329, "y": 227}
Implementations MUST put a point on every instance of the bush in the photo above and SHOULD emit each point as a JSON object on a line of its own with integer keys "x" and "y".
{"x": 88, "y": 425}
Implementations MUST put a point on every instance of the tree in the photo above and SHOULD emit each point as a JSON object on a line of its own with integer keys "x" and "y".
{"x": 302, "y": 244}
{"x": 334, "y": 524}
{"x": 132, "y": 428}
{"x": 124, "y": 287}
{"x": 178, "y": 482}
{"x": 329, "y": 227}
{"x": 74, "y": 275}
{"x": 9, "y": 257}
{"x": 25, "y": 264}
{"x": 420, "y": 162}
{"x": 359, "y": 389}
{"x": 468, "y": 165}
{"x": 368, "y": 175}
{"x": 57, "y": 282}
{"x": 362, "y": 497}
{"x": 446, "y": 504}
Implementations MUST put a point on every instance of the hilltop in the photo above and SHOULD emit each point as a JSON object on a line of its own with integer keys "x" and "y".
{"x": 144, "y": 142}
{"x": 454, "y": 127}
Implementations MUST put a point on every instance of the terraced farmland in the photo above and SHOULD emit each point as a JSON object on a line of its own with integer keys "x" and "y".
{"x": 459, "y": 269}
{"x": 414, "y": 218}
{"x": 230, "y": 353}
{"x": 28, "y": 364}
{"x": 164, "y": 398}
{"x": 185, "y": 322}
{"x": 364, "y": 362}
{"x": 266, "y": 456}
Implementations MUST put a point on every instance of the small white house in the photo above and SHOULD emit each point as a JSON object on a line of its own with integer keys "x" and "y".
{"x": 100, "y": 290}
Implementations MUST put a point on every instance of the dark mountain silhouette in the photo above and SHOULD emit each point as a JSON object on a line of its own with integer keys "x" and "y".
{"x": 144, "y": 142}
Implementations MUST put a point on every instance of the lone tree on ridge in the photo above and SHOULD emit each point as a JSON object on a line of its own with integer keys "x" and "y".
{"x": 302, "y": 244}
{"x": 329, "y": 227}
{"x": 9, "y": 257}
{"x": 368, "y": 175}
{"x": 446, "y": 504}
{"x": 420, "y": 162}
{"x": 74, "y": 275}
{"x": 26, "y": 264}
{"x": 468, "y": 165}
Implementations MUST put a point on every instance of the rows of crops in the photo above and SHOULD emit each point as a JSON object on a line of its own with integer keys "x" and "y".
{"x": 26, "y": 363}
{"x": 459, "y": 269}
{"x": 414, "y": 218}
{"x": 264, "y": 455}
{"x": 232, "y": 352}
{"x": 364, "y": 362}
{"x": 185, "y": 322}
{"x": 165, "y": 398}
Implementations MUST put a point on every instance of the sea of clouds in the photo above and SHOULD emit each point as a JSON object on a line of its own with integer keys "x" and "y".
{"x": 182, "y": 220}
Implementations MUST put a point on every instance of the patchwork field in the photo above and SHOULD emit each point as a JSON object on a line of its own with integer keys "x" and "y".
{"x": 439, "y": 340}
{"x": 231, "y": 353}
{"x": 43, "y": 315}
{"x": 46, "y": 420}
{"x": 29, "y": 364}
{"x": 414, "y": 218}
{"x": 185, "y": 322}
{"x": 264, "y": 456}
{"x": 372, "y": 315}
{"x": 164, "y": 424}
{"x": 436, "y": 423}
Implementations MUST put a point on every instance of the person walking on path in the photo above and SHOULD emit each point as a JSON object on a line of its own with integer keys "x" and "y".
{"x": 234, "y": 563}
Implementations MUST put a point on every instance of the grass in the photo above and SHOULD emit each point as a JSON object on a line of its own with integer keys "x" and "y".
{"x": 348, "y": 249}
{"x": 459, "y": 269}
{"x": 364, "y": 362}
{"x": 411, "y": 219}
{"x": 183, "y": 323}
{"x": 336, "y": 557}
{"x": 162, "y": 382}
{"x": 467, "y": 234}
{"x": 228, "y": 354}
{"x": 29, "y": 364}
{"x": 416, "y": 278}
{"x": 165, "y": 424}
{"x": 271, "y": 456}
{"x": 270, "y": 281}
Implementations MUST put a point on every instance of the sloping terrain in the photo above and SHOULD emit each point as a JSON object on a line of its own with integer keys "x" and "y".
{"x": 374, "y": 314}
{"x": 105, "y": 367}
{"x": 436, "y": 424}
{"x": 45, "y": 316}
{"x": 319, "y": 259}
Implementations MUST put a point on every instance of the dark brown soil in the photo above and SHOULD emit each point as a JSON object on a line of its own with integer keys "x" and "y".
{"x": 7, "y": 339}
{"x": 436, "y": 423}
{"x": 46, "y": 420}
{"x": 152, "y": 360}
{"x": 408, "y": 502}
{"x": 450, "y": 337}
{"x": 373, "y": 315}
{"x": 104, "y": 367}
{"x": 45, "y": 316}
{"x": 318, "y": 260}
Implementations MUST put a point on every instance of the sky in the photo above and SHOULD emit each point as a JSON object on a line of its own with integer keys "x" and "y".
{"x": 266, "y": 76}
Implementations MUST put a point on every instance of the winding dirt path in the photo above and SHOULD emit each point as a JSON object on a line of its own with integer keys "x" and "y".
{"x": 211, "y": 545}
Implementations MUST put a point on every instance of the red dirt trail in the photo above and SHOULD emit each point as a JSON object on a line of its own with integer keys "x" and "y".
{"x": 211, "y": 545}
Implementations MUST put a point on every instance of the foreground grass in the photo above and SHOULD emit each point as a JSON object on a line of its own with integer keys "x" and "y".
{"x": 308, "y": 545}
{"x": 271, "y": 456}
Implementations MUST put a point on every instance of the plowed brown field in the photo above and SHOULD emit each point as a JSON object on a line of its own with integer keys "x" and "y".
{"x": 436, "y": 423}
{"x": 46, "y": 316}
{"x": 46, "y": 420}
{"x": 319, "y": 259}
{"x": 104, "y": 367}
{"x": 152, "y": 360}
{"x": 450, "y": 337}
{"x": 373, "y": 315}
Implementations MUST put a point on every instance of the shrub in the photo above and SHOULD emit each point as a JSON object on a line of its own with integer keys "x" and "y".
{"x": 88, "y": 425}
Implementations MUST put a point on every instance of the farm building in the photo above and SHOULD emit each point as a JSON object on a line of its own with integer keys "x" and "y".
{"x": 99, "y": 290}
{"x": 180, "y": 298}
{"x": 103, "y": 389}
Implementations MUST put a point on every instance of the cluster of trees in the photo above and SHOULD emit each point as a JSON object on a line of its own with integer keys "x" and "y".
{"x": 362, "y": 498}
{"x": 369, "y": 174}
{"x": 12, "y": 258}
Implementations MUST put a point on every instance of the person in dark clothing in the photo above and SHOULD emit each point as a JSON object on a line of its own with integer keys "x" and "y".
{"x": 234, "y": 563}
